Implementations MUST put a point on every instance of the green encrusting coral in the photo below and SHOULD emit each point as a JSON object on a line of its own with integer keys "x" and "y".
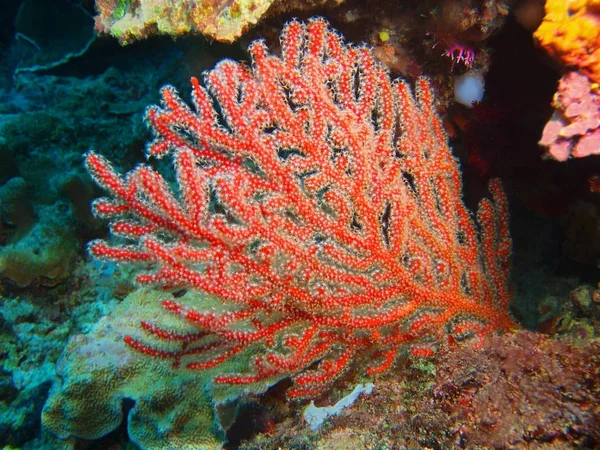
{"x": 173, "y": 407}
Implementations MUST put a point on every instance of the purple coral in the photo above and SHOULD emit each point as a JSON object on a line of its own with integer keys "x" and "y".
{"x": 574, "y": 128}
{"x": 455, "y": 50}
{"x": 460, "y": 53}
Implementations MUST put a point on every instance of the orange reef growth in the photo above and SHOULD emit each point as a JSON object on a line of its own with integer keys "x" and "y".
{"x": 570, "y": 32}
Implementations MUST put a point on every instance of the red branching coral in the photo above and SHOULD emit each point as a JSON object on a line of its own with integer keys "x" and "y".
{"x": 319, "y": 200}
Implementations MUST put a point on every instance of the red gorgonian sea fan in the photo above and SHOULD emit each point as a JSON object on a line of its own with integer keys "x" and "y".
{"x": 320, "y": 200}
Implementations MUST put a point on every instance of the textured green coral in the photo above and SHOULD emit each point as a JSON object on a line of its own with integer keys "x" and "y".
{"x": 121, "y": 8}
{"x": 174, "y": 408}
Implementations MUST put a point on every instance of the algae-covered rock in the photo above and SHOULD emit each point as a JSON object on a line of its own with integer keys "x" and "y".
{"x": 15, "y": 208}
{"x": 223, "y": 21}
{"x": 129, "y": 20}
{"x": 520, "y": 390}
{"x": 44, "y": 253}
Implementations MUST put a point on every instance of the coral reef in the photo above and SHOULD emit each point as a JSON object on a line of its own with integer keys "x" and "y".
{"x": 64, "y": 92}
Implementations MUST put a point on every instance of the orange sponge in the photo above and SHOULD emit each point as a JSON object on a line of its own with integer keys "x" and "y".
{"x": 570, "y": 32}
